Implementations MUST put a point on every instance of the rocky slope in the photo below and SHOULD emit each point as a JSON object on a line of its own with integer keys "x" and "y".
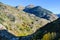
{"x": 41, "y": 12}
{"x": 15, "y": 22}
{"x": 50, "y": 31}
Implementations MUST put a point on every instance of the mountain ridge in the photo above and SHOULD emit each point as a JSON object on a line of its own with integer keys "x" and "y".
{"x": 41, "y": 12}
{"x": 58, "y": 15}
{"x": 21, "y": 23}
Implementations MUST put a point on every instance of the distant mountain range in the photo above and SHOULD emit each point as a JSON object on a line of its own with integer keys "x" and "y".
{"x": 58, "y": 15}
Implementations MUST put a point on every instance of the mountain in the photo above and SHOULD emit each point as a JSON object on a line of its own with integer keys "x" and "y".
{"x": 50, "y": 31}
{"x": 41, "y": 12}
{"x": 30, "y": 6}
{"x": 15, "y": 22}
{"x": 58, "y": 15}
{"x": 18, "y": 22}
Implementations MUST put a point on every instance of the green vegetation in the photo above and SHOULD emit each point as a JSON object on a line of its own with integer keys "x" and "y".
{"x": 49, "y": 36}
{"x": 17, "y": 22}
{"x": 20, "y": 23}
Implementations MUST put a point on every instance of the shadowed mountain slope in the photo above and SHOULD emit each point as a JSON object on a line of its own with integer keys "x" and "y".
{"x": 58, "y": 15}
{"x": 5, "y": 35}
{"x": 41, "y": 12}
{"x": 51, "y": 31}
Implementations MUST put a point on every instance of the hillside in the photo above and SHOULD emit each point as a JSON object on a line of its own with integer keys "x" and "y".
{"x": 41, "y": 12}
{"x": 50, "y": 31}
{"x": 17, "y": 22}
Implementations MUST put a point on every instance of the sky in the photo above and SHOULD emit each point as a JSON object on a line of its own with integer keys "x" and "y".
{"x": 52, "y": 5}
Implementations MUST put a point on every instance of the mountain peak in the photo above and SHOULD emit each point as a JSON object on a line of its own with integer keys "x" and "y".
{"x": 30, "y": 6}
{"x": 1, "y": 3}
{"x": 41, "y": 12}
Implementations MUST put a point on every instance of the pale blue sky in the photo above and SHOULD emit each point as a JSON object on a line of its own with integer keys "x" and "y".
{"x": 52, "y": 5}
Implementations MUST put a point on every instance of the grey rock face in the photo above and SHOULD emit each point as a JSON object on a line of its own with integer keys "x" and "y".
{"x": 42, "y": 13}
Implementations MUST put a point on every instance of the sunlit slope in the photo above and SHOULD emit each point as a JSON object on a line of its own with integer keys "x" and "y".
{"x": 18, "y": 22}
{"x": 51, "y": 31}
